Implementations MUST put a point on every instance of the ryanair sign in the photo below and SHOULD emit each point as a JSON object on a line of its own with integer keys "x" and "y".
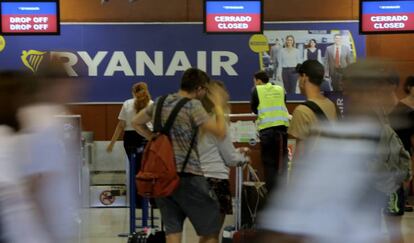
{"x": 110, "y": 58}
{"x": 118, "y": 62}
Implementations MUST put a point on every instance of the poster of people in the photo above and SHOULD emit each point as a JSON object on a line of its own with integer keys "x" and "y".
{"x": 335, "y": 49}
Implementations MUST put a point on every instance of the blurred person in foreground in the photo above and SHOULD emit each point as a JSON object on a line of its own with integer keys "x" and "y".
{"x": 402, "y": 116}
{"x": 18, "y": 221}
{"x": 49, "y": 166}
{"x": 216, "y": 156}
{"x": 340, "y": 185}
{"x": 401, "y": 119}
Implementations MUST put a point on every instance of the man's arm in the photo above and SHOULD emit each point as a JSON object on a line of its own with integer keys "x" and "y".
{"x": 118, "y": 130}
{"x": 139, "y": 122}
{"x": 326, "y": 62}
{"x": 254, "y": 101}
{"x": 349, "y": 57}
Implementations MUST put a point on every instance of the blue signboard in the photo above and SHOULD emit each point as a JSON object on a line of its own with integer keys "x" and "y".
{"x": 233, "y": 7}
{"x": 110, "y": 58}
{"x": 388, "y": 7}
{"x": 27, "y": 8}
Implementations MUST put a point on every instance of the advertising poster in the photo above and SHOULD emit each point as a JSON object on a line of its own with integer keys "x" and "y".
{"x": 109, "y": 58}
{"x": 335, "y": 49}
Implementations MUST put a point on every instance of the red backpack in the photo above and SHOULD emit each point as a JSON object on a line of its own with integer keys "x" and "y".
{"x": 158, "y": 174}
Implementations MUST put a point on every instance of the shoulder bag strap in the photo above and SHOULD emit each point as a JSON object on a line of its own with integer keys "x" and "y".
{"x": 193, "y": 138}
{"x": 317, "y": 110}
{"x": 171, "y": 118}
{"x": 338, "y": 113}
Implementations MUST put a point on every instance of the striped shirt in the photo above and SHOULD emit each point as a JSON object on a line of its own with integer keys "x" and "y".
{"x": 191, "y": 116}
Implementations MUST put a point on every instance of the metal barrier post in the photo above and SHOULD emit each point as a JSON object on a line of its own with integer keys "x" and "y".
{"x": 132, "y": 192}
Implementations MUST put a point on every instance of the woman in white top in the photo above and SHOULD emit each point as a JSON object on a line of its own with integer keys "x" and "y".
{"x": 132, "y": 140}
{"x": 217, "y": 155}
{"x": 288, "y": 59}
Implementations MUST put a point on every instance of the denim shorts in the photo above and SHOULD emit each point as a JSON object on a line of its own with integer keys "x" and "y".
{"x": 193, "y": 199}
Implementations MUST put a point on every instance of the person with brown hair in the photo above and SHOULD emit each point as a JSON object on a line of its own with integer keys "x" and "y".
{"x": 131, "y": 107}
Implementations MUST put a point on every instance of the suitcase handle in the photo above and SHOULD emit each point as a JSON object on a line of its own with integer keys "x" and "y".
{"x": 239, "y": 185}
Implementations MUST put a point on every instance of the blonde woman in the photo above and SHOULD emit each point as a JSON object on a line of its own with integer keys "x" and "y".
{"x": 217, "y": 155}
{"x": 288, "y": 59}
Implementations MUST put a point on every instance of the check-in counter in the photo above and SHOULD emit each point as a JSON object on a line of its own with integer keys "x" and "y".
{"x": 244, "y": 134}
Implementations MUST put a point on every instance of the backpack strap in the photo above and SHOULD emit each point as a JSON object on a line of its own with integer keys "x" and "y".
{"x": 157, "y": 116}
{"x": 193, "y": 138}
{"x": 171, "y": 118}
{"x": 338, "y": 113}
{"x": 317, "y": 110}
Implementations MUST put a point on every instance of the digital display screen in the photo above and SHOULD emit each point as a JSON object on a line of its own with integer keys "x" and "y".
{"x": 386, "y": 16}
{"x": 29, "y": 17}
{"x": 233, "y": 16}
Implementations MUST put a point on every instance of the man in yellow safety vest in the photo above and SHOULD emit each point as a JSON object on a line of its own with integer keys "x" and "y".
{"x": 268, "y": 102}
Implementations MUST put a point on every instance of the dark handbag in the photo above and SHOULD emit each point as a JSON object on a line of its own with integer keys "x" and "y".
{"x": 137, "y": 237}
{"x": 158, "y": 237}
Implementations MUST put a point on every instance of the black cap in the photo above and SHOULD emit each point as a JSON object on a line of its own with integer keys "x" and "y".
{"x": 313, "y": 69}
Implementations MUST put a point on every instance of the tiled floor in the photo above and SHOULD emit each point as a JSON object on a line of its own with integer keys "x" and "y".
{"x": 102, "y": 225}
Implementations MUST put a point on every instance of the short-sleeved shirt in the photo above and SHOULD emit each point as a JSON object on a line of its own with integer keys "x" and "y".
{"x": 127, "y": 113}
{"x": 304, "y": 119}
{"x": 191, "y": 116}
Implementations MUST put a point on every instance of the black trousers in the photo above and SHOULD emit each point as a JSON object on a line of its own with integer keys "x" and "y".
{"x": 274, "y": 153}
{"x": 336, "y": 77}
{"x": 290, "y": 79}
{"x": 134, "y": 144}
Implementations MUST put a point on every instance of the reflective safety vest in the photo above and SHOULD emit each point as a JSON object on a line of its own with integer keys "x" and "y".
{"x": 272, "y": 109}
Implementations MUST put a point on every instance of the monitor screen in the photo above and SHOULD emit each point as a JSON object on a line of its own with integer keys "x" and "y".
{"x": 386, "y": 16}
{"x": 233, "y": 16}
{"x": 29, "y": 17}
